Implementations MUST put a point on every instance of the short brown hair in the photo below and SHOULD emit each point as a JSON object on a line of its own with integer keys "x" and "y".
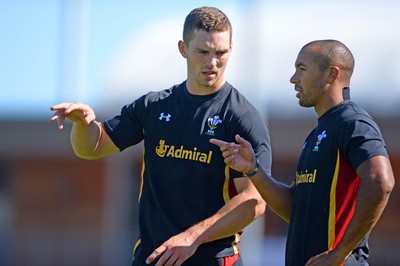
{"x": 209, "y": 19}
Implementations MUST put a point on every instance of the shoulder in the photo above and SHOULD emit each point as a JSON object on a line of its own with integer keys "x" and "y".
{"x": 359, "y": 136}
{"x": 154, "y": 96}
{"x": 235, "y": 94}
{"x": 352, "y": 110}
{"x": 353, "y": 116}
{"x": 239, "y": 103}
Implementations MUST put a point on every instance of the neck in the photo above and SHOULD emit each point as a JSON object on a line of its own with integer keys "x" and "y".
{"x": 333, "y": 96}
{"x": 203, "y": 90}
{"x": 323, "y": 108}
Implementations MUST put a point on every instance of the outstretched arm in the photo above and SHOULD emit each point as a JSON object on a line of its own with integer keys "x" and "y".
{"x": 235, "y": 215}
{"x": 240, "y": 157}
{"x": 88, "y": 138}
{"x": 377, "y": 182}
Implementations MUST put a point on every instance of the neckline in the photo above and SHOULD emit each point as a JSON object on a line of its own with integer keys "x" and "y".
{"x": 198, "y": 100}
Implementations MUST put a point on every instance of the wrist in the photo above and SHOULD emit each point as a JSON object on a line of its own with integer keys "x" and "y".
{"x": 256, "y": 168}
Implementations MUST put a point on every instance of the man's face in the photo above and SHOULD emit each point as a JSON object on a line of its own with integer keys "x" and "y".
{"x": 207, "y": 55}
{"x": 308, "y": 80}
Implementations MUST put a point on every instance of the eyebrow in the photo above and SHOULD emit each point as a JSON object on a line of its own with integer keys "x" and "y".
{"x": 216, "y": 50}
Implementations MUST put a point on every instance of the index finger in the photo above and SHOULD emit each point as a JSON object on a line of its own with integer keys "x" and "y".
{"x": 218, "y": 142}
{"x": 60, "y": 106}
{"x": 156, "y": 253}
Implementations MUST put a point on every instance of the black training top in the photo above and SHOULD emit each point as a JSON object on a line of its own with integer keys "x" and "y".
{"x": 327, "y": 182}
{"x": 184, "y": 178}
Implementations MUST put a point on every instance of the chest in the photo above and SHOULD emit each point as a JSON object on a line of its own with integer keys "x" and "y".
{"x": 181, "y": 123}
{"x": 319, "y": 158}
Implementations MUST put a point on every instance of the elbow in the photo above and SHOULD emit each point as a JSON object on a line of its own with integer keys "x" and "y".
{"x": 387, "y": 185}
{"x": 260, "y": 208}
{"x": 253, "y": 208}
{"x": 384, "y": 186}
{"x": 386, "y": 181}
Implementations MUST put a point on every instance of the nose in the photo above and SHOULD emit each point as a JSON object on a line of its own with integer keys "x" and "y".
{"x": 212, "y": 60}
{"x": 294, "y": 79}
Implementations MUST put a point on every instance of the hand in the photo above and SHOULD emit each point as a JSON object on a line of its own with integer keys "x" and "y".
{"x": 239, "y": 157}
{"x": 174, "y": 251}
{"x": 326, "y": 258}
{"x": 76, "y": 112}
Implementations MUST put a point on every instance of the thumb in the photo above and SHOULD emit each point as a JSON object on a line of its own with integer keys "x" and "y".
{"x": 243, "y": 143}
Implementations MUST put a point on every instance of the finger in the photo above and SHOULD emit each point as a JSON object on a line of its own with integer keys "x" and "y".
{"x": 166, "y": 259}
{"x": 169, "y": 258}
{"x": 242, "y": 141}
{"x": 60, "y": 123}
{"x": 230, "y": 160}
{"x": 59, "y": 106}
{"x": 54, "y": 117}
{"x": 156, "y": 253}
{"x": 311, "y": 260}
{"x": 179, "y": 262}
{"x": 228, "y": 146}
{"x": 229, "y": 152}
{"x": 218, "y": 142}
{"x": 73, "y": 107}
{"x": 89, "y": 118}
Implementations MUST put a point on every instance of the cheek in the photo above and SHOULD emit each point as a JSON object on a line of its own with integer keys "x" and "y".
{"x": 197, "y": 61}
{"x": 222, "y": 62}
{"x": 192, "y": 62}
{"x": 224, "y": 59}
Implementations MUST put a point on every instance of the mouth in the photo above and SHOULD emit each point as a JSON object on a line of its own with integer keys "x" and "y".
{"x": 298, "y": 89}
{"x": 209, "y": 74}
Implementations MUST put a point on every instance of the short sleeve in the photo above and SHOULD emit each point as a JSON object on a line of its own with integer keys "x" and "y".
{"x": 361, "y": 139}
{"x": 126, "y": 129}
{"x": 255, "y": 130}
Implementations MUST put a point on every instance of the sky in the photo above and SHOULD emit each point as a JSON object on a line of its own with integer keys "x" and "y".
{"x": 107, "y": 53}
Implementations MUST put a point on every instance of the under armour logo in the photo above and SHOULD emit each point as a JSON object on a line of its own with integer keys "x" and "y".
{"x": 167, "y": 117}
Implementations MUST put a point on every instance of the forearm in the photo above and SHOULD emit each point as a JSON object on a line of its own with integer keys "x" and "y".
{"x": 278, "y": 196}
{"x": 234, "y": 216}
{"x": 85, "y": 139}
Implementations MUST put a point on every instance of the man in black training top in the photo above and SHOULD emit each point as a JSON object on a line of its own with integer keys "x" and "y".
{"x": 343, "y": 178}
{"x": 192, "y": 207}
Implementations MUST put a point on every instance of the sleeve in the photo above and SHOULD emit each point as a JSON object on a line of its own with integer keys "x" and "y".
{"x": 126, "y": 129}
{"x": 361, "y": 139}
{"x": 255, "y": 129}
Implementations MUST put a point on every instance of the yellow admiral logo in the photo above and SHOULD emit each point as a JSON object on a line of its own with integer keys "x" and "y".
{"x": 164, "y": 150}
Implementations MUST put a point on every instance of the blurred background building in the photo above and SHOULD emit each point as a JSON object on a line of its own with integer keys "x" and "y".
{"x": 57, "y": 209}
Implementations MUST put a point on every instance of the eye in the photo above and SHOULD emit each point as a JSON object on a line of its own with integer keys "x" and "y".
{"x": 221, "y": 53}
{"x": 301, "y": 67}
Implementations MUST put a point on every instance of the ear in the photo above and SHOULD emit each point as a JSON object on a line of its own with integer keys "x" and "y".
{"x": 333, "y": 73}
{"x": 182, "y": 48}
